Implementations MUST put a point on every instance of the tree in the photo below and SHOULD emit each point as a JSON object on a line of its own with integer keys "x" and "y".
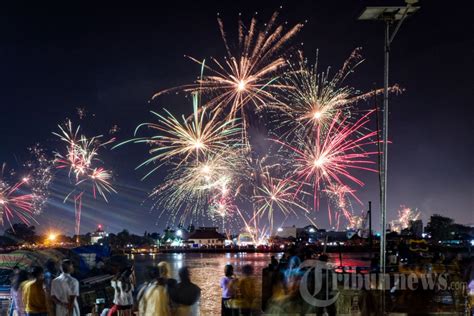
{"x": 123, "y": 238}
{"x": 22, "y": 232}
{"x": 440, "y": 227}
{"x": 155, "y": 236}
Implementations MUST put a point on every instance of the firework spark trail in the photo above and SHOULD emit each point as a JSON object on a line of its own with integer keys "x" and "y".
{"x": 80, "y": 157}
{"x": 40, "y": 174}
{"x": 359, "y": 223}
{"x": 339, "y": 194}
{"x": 277, "y": 194}
{"x": 405, "y": 216}
{"x": 257, "y": 234}
{"x": 194, "y": 186}
{"x": 245, "y": 77}
{"x": 329, "y": 157}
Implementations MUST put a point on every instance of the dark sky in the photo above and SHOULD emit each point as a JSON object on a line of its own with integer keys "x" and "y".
{"x": 111, "y": 58}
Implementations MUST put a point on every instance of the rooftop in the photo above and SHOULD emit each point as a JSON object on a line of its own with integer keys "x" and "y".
{"x": 206, "y": 233}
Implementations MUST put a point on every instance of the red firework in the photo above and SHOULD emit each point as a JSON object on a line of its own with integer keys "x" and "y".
{"x": 80, "y": 156}
{"x": 328, "y": 157}
{"x": 13, "y": 202}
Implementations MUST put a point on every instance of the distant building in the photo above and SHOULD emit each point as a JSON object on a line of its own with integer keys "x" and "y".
{"x": 98, "y": 235}
{"x": 309, "y": 234}
{"x": 206, "y": 236}
{"x": 336, "y": 236}
{"x": 416, "y": 228}
{"x": 287, "y": 232}
{"x": 245, "y": 239}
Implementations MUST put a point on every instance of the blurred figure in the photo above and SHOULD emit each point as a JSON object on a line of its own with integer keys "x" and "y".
{"x": 153, "y": 296}
{"x": 126, "y": 288}
{"x": 49, "y": 274}
{"x": 227, "y": 284}
{"x": 280, "y": 303}
{"x": 248, "y": 292}
{"x": 116, "y": 301}
{"x": 15, "y": 271}
{"x": 283, "y": 264}
{"x": 185, "y": 295}
{"x": 273, "y": 264}
{"x": 123, "y": 295}
{"x": 326, "y": 291}
{"x": 34, "y": 296}
{"x": 65, "y": 290}
{"x": 153, "y": 275}
{"x": 293, "y": 275}
{"x": 18, "y": 281}
{"x": 165, "y": 274}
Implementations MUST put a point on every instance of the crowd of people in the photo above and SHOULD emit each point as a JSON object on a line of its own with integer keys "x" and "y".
{"x": 163, "y": 295}
{"x": 52, "y": 290}
{"x": 240, "y": 296}
{"x": 38, "y": 292}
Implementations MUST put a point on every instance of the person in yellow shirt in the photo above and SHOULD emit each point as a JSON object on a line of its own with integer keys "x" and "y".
{"x": 153, "y": 297}
{"x": 248, "y": 292}
{"x": 34, "y": 298}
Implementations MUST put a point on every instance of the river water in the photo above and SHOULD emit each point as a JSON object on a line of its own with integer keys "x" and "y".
{"x": 207, "y": 270}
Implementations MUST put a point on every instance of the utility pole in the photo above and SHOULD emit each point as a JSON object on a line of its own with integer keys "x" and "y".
{"x": 369, "y": 214}
{"x": 389, "y": 15}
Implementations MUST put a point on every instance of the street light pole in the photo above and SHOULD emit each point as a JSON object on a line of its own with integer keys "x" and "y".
{"x": 389, "y": 19}
{"x": 389, "y": 15}
{"x": 383, "y": 198}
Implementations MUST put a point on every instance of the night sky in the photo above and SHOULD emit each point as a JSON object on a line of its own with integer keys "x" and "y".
{"x": 110, "y": 59}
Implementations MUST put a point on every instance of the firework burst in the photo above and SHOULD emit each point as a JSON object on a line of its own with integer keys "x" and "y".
{"x": 247, "y": 76}
{"x": 406, "y": 215}
{"x": 40, "y": 174}
{"x": 187, "y": 140}
{"x": 329, "y": 157}
{"x": 315, "y": 97}
{"x": 80, "y": 157}
{"x": 14, "y": 201}
{"x": 214, "y": 169}
{"x": 277, "y": 194}
{"x": 339, "y": 196}
{"x": 193, "y": 188}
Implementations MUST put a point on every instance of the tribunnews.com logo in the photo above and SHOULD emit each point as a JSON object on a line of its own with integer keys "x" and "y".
{"x": 320, "y": 286}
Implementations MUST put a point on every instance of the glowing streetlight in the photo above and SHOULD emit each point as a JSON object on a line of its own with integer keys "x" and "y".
{"x": 52, "y": 237}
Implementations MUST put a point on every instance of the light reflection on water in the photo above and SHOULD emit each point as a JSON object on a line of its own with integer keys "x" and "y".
{"x": 207, "y": 270}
